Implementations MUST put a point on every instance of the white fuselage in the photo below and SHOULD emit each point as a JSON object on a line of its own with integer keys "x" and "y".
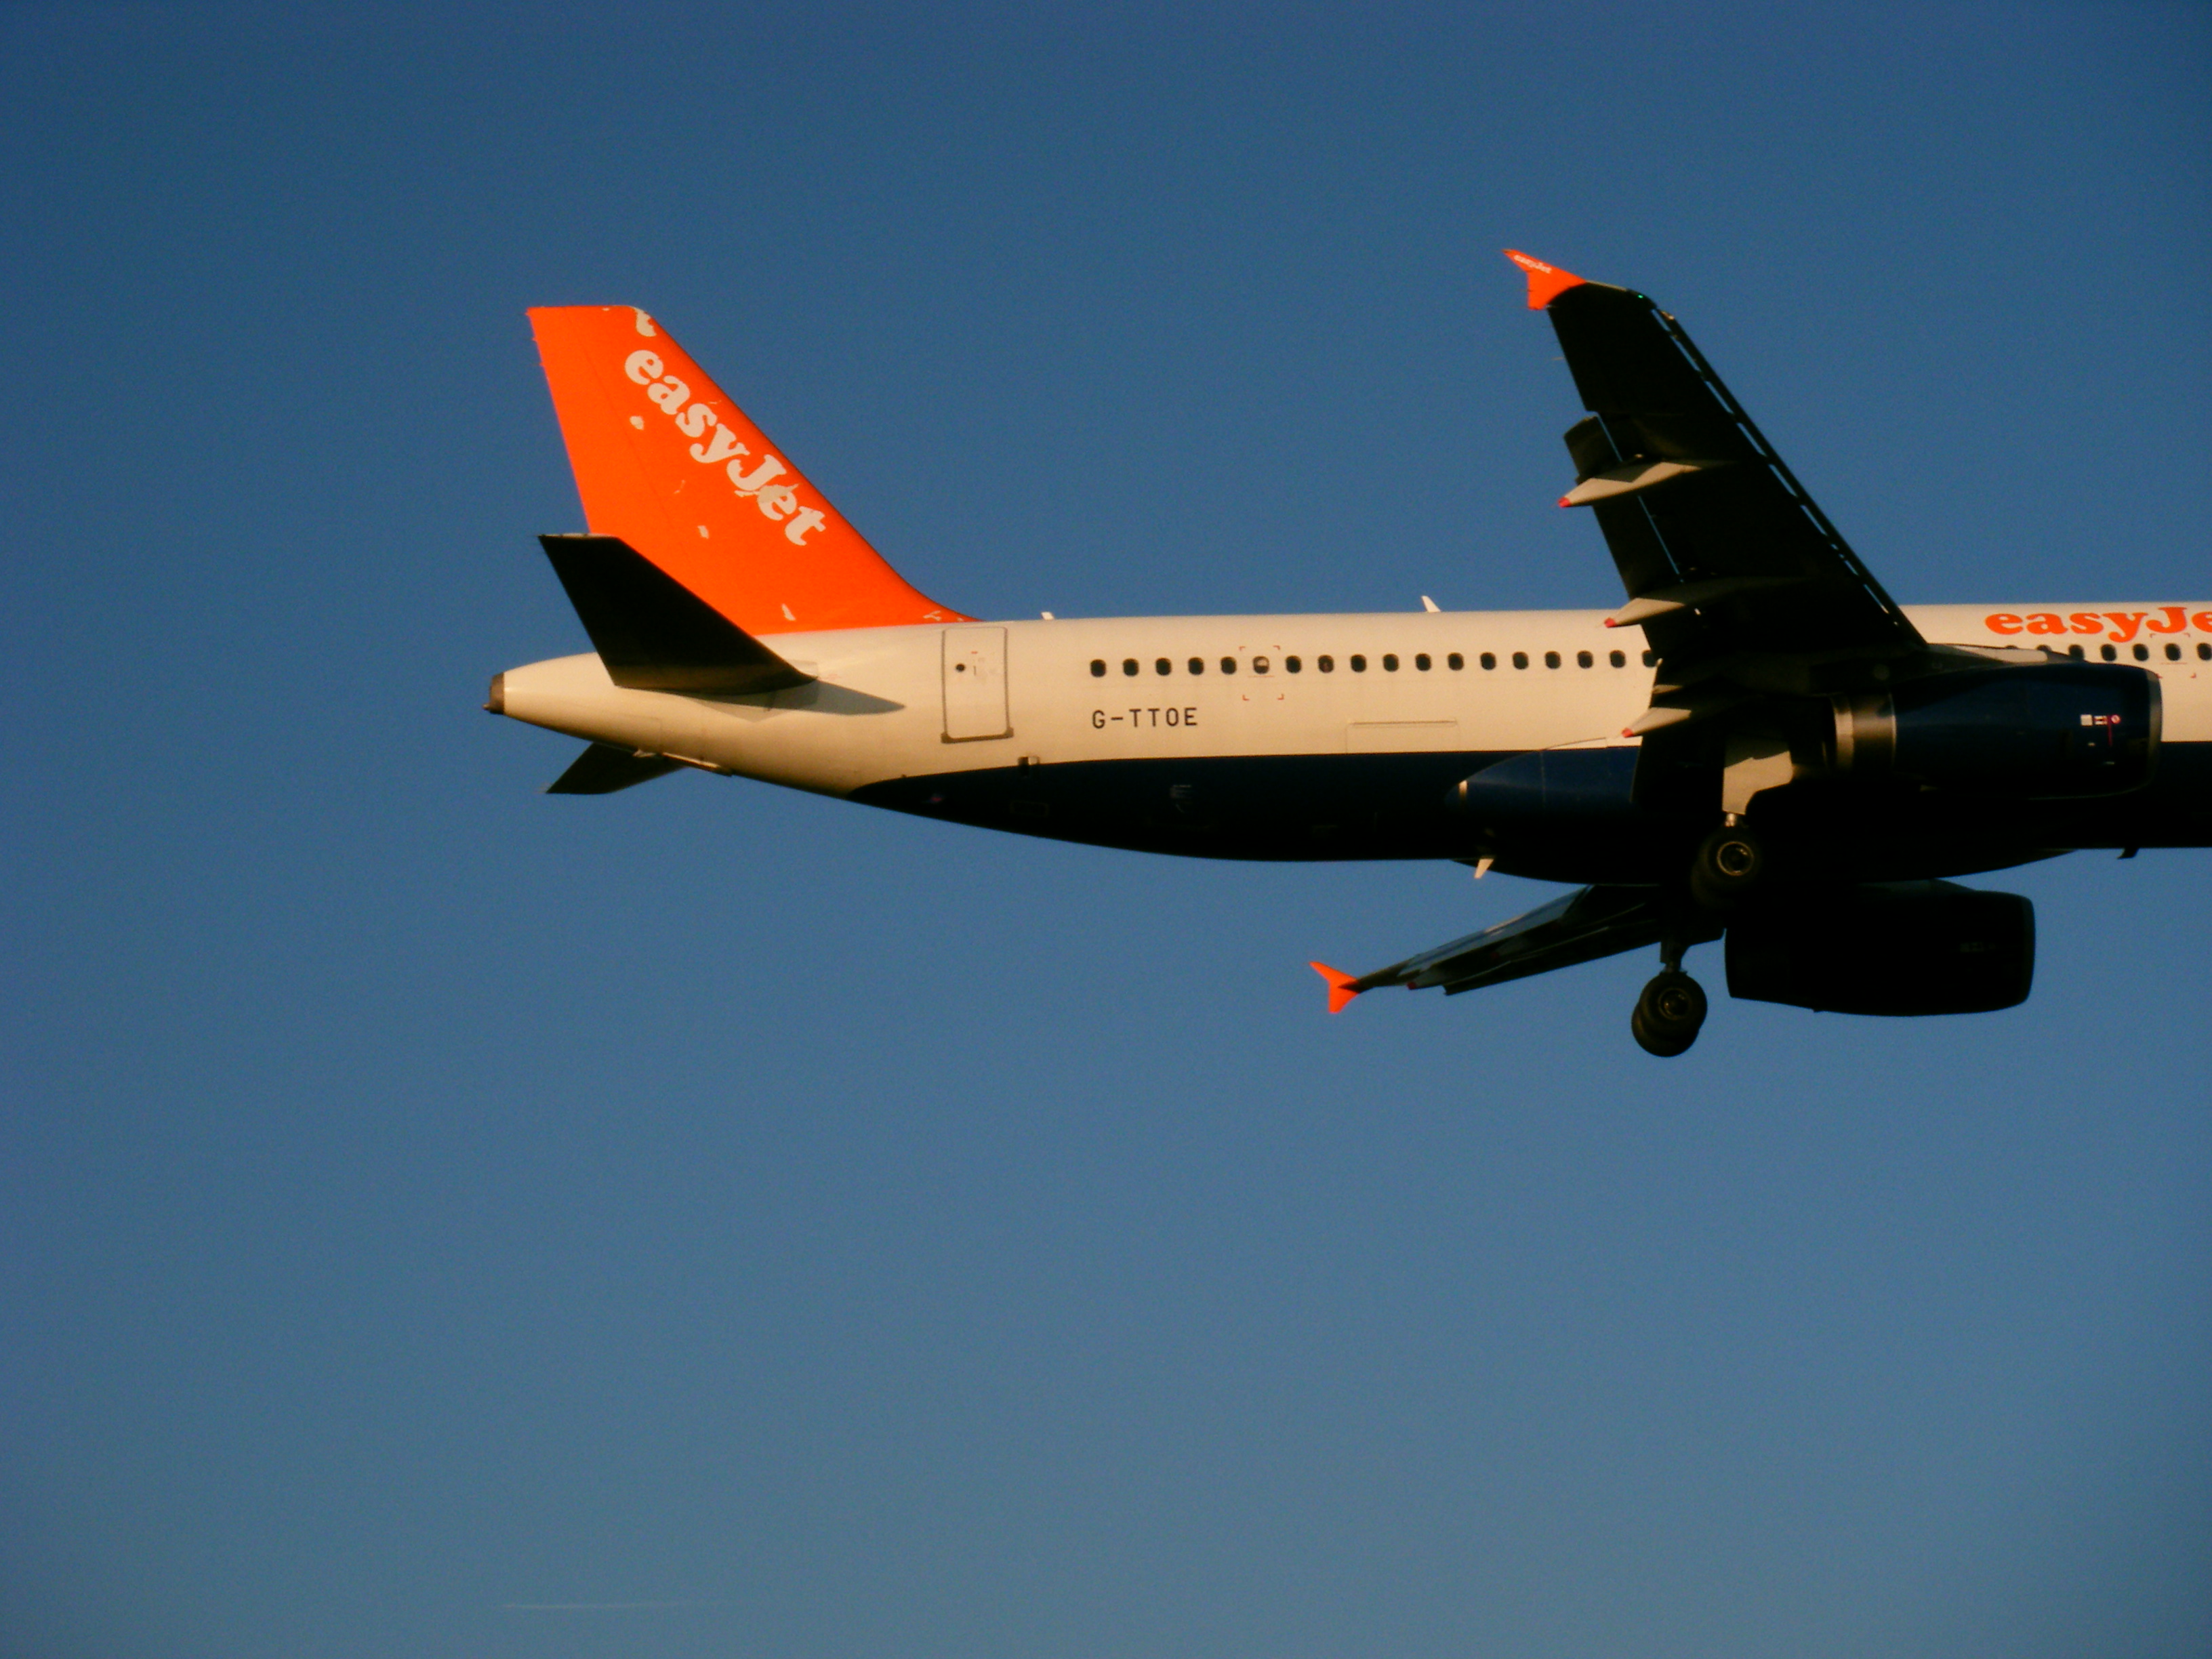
{"x": 901, "y": 703}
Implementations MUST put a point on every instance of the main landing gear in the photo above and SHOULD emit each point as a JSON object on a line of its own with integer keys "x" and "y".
{"x": 1672, "y": 1010}
{"x": 1729, "y": 863}
{"x": 1669, "y": 1015}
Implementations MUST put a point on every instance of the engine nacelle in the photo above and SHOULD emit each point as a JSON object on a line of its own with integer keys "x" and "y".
{"x": 2049, "y": 732}
{"x": 1918, "y": 947}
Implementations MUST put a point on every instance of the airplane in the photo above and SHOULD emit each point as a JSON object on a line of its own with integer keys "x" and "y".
{"x": 1758, "y": 746}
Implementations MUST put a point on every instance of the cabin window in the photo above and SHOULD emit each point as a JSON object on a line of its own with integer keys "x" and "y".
{"x": 1099, "y": 668}
{"x": 1583, "y": 659}
{"x": 1129, "y": 666}
{"x": 1489, "y": 660}
{"x": 2143, "y": 654}
{"x": 2110, "y": 653}
{"x": 1618, "y": 659}
{"x": 1421, "y": 662}
{"x": 2204, "y": 654}
{"x": 1551, "y": 659}
{"x": 1327, "y": 665}
{"x": 1389, "y": 662}
{"x": 1454, "y": 662}
{"x": 1520, "y": 658}
{"x": 1228, "y": 665}
{"x": 1651, "y": 660}
{"x": 1258, "y": 665}
{"x": 1358, "y": 664}
{"x": 1163, "y": 666}
{"x": 1198, "y": 664}
{"x": 1291, "y": 665}
{"x": 2174, "y": 653}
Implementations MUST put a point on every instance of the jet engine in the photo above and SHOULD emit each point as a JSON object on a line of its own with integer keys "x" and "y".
{"x": 1919, "y": 947}
{"x": 2049, "y": 732}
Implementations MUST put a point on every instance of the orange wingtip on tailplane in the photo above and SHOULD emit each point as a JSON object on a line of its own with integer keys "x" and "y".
{"x": 1545, "y": 282}
{"x": 1342, "y": 987}
{"x": 665, "y": 460}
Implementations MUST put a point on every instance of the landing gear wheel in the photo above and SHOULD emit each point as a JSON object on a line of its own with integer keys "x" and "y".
{"x": 1669, "y": 1015}
{"x": 1729, "y": 865}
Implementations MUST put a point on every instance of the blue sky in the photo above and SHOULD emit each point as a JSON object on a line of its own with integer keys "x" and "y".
{"x": 440, "y": 1219}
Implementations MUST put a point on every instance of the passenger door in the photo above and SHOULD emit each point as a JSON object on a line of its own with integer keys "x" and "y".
{"x": 975, "y": 684}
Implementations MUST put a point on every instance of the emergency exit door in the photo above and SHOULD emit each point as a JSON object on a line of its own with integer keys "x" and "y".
{"x": 975, "y": 684}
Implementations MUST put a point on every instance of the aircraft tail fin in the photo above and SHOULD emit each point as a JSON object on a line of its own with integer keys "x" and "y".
{"x": 665, "y": 462}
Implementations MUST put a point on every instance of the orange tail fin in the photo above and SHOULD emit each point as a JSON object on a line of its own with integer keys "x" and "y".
{"x": 1342, "y": 987}
{"x": 666, "y": 462}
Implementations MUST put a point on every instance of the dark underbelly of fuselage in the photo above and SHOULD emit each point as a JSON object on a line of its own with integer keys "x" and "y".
{"x": 1315, "y": 807}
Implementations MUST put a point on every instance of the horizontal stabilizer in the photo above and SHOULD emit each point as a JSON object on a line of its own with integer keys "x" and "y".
{"x": 652, "y": 632}
{"x": 606, "y": 767}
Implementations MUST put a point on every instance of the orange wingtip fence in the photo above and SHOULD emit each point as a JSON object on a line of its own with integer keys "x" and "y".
{"x": 1545, "y": 282}
{"x": 1342, "y": 987}
{"x": 666, "y": 461}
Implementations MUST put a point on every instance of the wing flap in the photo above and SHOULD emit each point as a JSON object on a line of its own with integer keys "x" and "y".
{"x": 1585, "y": 926}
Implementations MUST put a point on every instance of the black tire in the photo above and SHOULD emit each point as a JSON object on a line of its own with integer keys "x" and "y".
{"x": 1729, "y": 863}
{"x": 1669, "y": 1015}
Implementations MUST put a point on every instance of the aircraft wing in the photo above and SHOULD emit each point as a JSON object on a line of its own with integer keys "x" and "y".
{"x": 1583, "y": 926}
{"x": 1723, "y": 554}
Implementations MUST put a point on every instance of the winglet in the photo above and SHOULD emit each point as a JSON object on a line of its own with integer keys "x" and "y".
{"x": 1545, "y": 282}
{"x": 1342, "y": 987}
